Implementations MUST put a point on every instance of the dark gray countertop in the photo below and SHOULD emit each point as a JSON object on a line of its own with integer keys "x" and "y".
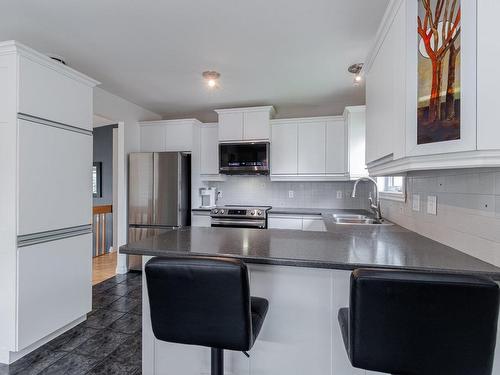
{"x": 343, "y": 247}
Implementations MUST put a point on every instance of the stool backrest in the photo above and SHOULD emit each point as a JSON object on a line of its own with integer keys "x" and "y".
{"x": 200, "y": 301}
{"x": 421, "y": 323}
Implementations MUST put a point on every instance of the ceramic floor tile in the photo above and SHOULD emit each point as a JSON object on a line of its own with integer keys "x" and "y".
{"x": 101, "y": 345}
{"x": 129, "y": 323}
{"x": 102, "y": 318}
{"x": 112, "y": 368}
{"x": 35, "y": 362}
{"x": 73, "y": 338}
{"x": 103, "y": 299}
{"x": 71, "y": 364}
{"x": 124, "y": 304}
{"x": 129, "y": 352}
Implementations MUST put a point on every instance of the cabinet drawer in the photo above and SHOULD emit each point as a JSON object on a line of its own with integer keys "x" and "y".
{"x": 285, "y": 223}
{"x": 54, "y": 286}
{"x": 51, "y": 95}
{"x": 55, "y": 176}
{"x": 201, "y": 220}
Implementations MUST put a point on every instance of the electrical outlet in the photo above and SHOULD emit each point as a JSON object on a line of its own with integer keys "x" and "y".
{"x": 416, "y": 202}
{"x": 290, "y": 194}
{"x": 339, "y": 194}
{"x": 220, "y": 195}
{"x": 432, "y": 205}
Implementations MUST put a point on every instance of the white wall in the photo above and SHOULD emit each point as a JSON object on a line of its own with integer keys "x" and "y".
{"x": 468, "y": 212}
{"x": 127, "y": 115}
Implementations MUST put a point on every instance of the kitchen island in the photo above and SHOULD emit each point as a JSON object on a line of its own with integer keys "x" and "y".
{"x": 305, "y": 277}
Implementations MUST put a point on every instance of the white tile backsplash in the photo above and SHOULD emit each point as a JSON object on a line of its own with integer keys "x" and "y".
{"x": 259, "y": 190}
{"x": 468, "y": 210}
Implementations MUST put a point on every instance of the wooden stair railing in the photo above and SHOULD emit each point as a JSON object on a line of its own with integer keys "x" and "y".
{"x": 99, "y": 225}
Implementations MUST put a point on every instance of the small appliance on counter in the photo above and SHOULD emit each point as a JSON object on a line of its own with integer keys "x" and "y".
{"x": 240, "y": 216}
{"x": 208, "y": 197}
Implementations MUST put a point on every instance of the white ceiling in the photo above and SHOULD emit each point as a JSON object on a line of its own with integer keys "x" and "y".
{"x": 292, "y": 54}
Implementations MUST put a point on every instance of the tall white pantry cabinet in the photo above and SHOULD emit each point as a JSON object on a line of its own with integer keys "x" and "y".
{"x": 45, "y": 199}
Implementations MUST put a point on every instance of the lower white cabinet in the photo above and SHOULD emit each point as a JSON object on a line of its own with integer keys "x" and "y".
{"x": 200, "y": 219}
{"x": 54, "y": 286}
{"x": 297, "y": 222}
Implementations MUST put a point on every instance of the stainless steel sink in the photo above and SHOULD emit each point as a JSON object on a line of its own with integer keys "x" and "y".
{"x": 357, "y": 220}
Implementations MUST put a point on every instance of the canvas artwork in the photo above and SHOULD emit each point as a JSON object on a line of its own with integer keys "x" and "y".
{"x": 438, "y": 115}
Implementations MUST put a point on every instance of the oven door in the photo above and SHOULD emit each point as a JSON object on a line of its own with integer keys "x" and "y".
{"x": 238, "y": 223}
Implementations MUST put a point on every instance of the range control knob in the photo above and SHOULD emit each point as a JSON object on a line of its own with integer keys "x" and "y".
{"x": 221, "y": 212}
{"x": 252, "y": 212}
{"x": 216, "y": 211}
{"x": 259, "y": 212}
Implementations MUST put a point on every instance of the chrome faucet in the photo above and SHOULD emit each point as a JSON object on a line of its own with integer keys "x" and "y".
{"x": 374, "y": 202}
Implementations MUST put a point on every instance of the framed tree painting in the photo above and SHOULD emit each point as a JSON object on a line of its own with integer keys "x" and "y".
{"x": 439, "y": 61}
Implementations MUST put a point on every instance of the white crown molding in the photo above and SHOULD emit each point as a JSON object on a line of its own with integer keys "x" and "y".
{"x": 11, "y": 46}
{"x": 190, "y": 121}
{"x": 457, "y": 160}
{"x": 307, "y": 119}
{"x": 269, "y": 108}
{"x": 354, "y": 109}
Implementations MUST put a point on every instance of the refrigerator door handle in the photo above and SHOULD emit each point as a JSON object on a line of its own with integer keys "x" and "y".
{"x": 155, "y": 187}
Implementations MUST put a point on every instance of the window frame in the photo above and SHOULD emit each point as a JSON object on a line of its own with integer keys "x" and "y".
{"x": 398, "y": 196}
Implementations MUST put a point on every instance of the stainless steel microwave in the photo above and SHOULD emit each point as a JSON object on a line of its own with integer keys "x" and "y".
{"x": 251, "y": 158}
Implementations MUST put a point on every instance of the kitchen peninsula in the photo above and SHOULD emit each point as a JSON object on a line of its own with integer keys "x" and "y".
{"x": 305, "y": 276}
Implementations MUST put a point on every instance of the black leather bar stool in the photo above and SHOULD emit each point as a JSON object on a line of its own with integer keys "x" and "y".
{"x": 204, "y": 301}
{"x": 417, "y": 323}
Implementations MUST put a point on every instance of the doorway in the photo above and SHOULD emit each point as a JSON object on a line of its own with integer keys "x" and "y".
{"x": 104, "y": 251}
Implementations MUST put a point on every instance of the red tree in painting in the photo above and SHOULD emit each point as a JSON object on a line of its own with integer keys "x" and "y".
{"x": 439, "y": 30}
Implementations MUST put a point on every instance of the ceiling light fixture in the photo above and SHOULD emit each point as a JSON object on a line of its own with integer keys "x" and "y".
{"x": 211, "y": 77}
{"x": 356, "y": 70}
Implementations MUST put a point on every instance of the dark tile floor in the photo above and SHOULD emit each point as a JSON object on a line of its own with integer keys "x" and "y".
{"x": 108, "y": 342}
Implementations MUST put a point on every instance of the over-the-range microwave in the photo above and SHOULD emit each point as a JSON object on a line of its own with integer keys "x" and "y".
{"x": 250, "y": 158}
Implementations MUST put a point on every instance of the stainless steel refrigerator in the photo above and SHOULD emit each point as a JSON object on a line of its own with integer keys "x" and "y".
{"x": 159, "y": 193}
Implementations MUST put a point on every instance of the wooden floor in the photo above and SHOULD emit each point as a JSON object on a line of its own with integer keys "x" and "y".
{"x": 103, "y": 267}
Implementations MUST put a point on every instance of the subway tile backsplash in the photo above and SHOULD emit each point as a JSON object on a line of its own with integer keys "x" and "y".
{"x": 259, "y": 190}
{"x": 468, "y": 210}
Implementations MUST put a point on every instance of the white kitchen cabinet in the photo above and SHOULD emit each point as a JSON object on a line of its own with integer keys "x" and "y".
{"x": 336, "y": 147}
{"x": 284, "y": 222}
{"x": 153, "y": 138}
{"x": 488, "y": 55}
{"x": 313, "y": 224}
{"x": 61, "y": 95}
{"x": 46, "y": 199}
{"x": 54, "y": 286}
{"x": 355, "y": 119}
{"x": 167, "y": 135}
{"x": 244, "y": 124}
{"x": 284, "y": 142}
{"x": 391, "y": 94}
{"x": 55, "y": 178}
{"x": 200, "y": 219}
{"x": 209, "y": 150}
{"x": 312, "y": 148}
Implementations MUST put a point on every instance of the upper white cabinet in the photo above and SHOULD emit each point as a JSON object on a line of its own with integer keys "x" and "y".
{"x": 167, "y": 135}
{"x": 244, "y": 124}
{"x": 355, "y": 118}
{"x": 313, "y": 149}
{"x": 209, "y": 150}
{"x": 392, "y": 142}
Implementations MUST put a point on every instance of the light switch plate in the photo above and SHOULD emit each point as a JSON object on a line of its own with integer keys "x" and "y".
{"x": 432, "y": 205}
{"x": 339, "y": 194}
{"x": 416, "y": 202}
{"x": 290, "y": 193}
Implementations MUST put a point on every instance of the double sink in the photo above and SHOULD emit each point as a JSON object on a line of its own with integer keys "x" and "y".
{"x": 357, "y": 219}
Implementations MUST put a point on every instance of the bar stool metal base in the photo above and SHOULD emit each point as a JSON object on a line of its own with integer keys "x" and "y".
{"x": 217, "y": 361}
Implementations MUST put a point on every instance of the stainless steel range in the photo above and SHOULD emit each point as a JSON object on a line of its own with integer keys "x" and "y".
{"x": 240, "y": 216}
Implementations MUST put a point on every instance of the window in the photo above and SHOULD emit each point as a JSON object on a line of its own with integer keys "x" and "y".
{"x": 392, "y": 188}
{"x": 96, "y": 180}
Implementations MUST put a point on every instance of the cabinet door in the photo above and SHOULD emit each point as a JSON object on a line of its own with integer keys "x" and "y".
{"x": 312, "y": 148}
{"x": 231, "y": 126}
{"x": 256, "y": 125}
{"x": 55, "y": 178}
{"x": 313, "y": 224}
{"x": 284, "y": 148}
{"x": 153, "y": 138}
{"x": 200, "y": 220}
{"x": 488, "y": 55}
{"x": 179, "y": 137}
{"x": 48, "y": 94}
{"x": 280, "y": 222}
{"x": 336, "y": 147}
{"x": 209, "y": 151}
{"x": 54, "y": 286}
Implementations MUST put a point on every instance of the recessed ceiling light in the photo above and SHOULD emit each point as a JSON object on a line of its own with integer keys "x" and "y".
{"x": 211, "y": 77}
